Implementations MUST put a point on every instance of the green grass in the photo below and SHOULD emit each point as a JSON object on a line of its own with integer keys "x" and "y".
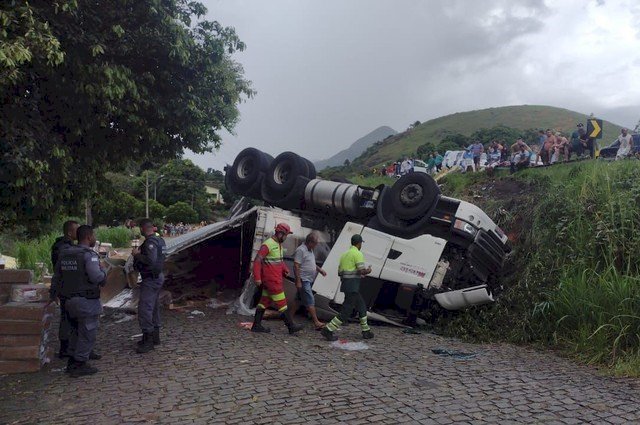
{"x": 29, "y": 253}
{"x": 520, "y": 117}
{"x": 573, "y": 281}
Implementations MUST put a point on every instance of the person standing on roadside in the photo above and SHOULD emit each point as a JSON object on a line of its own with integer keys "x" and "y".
{"x": 306, "y": 269}
{"x": 548, "y": 147}
{"x": 351, "y": 271}
{"x": 269, "y": 270}
{"x": 439, "y": 159}
{"x": 477, "y": 149}
{"x": 67, "y": 240}
{"x": 78, "y": 276}
{"x": 149, "y": 261}
{"x": 626, "y": 144}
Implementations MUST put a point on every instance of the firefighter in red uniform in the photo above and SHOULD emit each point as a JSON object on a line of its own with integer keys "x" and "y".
{"x": 269, "y": 270}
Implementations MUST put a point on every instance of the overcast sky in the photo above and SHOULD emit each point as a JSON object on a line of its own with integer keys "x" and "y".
{"x": 327, "y": 72}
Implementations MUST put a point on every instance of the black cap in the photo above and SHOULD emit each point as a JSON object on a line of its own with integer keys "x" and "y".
{"x": 356, "y": 239}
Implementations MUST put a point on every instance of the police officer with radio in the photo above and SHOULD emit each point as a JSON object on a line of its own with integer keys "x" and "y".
{"x": 79, "y": 277}
{"x": 149, "y": 261}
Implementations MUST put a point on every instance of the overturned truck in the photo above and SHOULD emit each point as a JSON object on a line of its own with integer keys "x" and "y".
{"x": 427, "y": 251}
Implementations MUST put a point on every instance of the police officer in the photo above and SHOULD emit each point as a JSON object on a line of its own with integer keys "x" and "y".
{"x": 79, "y": 277}
{"x": 69, "y": 230}
{"x": 149, "y": 261}
{"x": 351, "y": 270}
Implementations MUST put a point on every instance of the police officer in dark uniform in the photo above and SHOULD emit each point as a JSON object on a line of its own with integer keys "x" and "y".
{"x": 69, "y": 230}
{"x": 149, "y": 261}
{"x": 79, "y": 277}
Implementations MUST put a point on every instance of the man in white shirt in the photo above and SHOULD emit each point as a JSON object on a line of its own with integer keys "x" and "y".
{"x": 304, "y": 263}
{"x": 626, "y": 144}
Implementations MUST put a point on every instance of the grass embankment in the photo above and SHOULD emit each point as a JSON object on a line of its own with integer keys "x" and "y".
{"x": 29, "y": 253}
{"x": 573, "y": 279}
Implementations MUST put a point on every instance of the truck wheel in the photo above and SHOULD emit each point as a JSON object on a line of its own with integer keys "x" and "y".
{"x": 311, "y": 174}
{"x": 283, "y": 172}
{"x": 414, "y": 195}
{"x": 247, "y": 170}
{"x": 386, "y": 219}
{"x": 291, "y": 200}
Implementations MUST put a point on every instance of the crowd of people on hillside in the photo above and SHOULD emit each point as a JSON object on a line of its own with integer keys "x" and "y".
{"x": 171, "y": 230}
{"x": 550, "y": 147}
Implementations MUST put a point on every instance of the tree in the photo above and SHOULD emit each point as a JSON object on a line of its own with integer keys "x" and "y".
{"x": 498, "y": 132}
{"x": 346, "y": 162}
{"x": 129, "y": 79}
{"x": 157, "y": 211}
{"x": 414, "y": 125}
{"x": 181, "y": 212}
{"x": 183, "y": 181}
{"x": 455, "y": 140}
{"x": 425, "y": 149}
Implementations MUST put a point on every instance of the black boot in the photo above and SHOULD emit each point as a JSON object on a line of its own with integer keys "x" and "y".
{"x": 156, "y": 336}
{"x": 64, "y": 349}
{"x": 70, "y": 365}
{"x": 257, "y": 322}
{"x": 328, "y": 335}
{"x": 288, "y": 320}
{"x": 367, "y": 334}
{"x": 146, "y": 344}
{"x": 81, "y": 369}
{"x": 94, "y": 356}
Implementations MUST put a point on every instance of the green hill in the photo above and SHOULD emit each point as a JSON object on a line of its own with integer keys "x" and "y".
{"x": 521, "y": 117}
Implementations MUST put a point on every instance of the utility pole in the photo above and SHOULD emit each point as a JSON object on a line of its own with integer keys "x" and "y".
{"x": 146, "y": 194}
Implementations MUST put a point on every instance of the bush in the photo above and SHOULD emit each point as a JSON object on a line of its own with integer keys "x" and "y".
{"x": 181, "y": 212}
{"x": 119, "y": 237}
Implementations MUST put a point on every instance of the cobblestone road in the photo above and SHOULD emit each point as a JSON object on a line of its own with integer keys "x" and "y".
{"x": 209, "y": 370}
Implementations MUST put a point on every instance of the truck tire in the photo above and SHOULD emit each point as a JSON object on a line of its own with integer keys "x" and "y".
{"x": 386, "y": 219}
{"x": 247, "y": 171}
{"x": 292, "y": 200}
{"x": 283, "y": 173}
{"x": 311, "y": 173}
{"x": 414, "y": 195}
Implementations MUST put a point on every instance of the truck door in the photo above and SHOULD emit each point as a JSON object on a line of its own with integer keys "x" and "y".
{"x": 412, "y": 261}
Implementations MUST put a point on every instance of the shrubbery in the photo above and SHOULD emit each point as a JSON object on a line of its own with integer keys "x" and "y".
{"x": 573, "y": 278}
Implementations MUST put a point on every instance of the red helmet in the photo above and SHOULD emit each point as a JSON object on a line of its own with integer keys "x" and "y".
{"x": 283, "y": 228}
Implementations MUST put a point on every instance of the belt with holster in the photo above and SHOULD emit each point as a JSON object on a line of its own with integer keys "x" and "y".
{"x": 90, "y": 295}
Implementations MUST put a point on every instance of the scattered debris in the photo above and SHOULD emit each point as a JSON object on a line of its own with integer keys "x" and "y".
{"x": 460, "y": 355}
{"x": 194, "y": 313}
{"x": 343, "y": 344}
{"x": 135, "y": 336}
{"x": 125, "y": 318}
{"x": 411, "y": 331}
{"x": 246, "y": 325}
{"x": 216, "y": 303}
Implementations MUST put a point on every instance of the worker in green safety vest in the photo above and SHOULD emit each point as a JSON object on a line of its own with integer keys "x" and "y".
{"x": 351, "y": 270}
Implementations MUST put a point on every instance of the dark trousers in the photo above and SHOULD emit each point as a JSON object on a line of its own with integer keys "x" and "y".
{"x": 84, "y": 315}
{"x": 64, "y": 330}
{"x": 148, "y": 305}
{"x": 352, "y": 300}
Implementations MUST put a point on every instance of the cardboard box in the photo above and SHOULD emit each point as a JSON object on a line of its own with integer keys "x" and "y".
{"x": 26, "y": 311}
{"x": 22, "y": 327}
{"x": 19, "y": 366}
{"x": 13, "y": 276}
{"x": 29, "y": 293}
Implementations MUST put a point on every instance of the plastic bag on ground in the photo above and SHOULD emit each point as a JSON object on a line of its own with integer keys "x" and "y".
{"x": 242, "y": 304}
{"x": 349, "y": 346}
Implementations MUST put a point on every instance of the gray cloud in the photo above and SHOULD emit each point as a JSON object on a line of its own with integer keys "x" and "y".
{"x": 329, "y": 72}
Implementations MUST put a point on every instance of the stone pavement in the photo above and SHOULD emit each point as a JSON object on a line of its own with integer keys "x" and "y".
{"x": 209, "y": 370}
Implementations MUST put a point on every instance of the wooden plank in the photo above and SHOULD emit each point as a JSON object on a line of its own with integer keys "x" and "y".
{"x": 13, "y": 276}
